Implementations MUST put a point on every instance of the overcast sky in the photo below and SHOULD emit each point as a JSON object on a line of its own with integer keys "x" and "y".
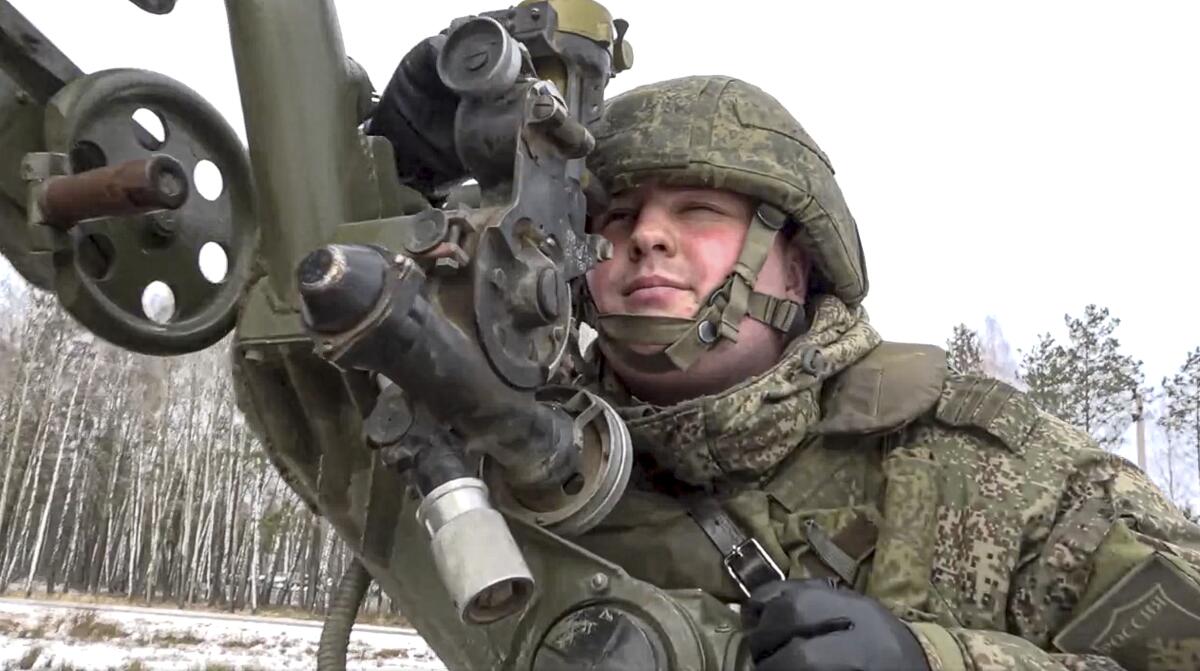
{"x": 1011, "y": 159}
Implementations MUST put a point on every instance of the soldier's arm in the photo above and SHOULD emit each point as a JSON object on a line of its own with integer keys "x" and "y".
{"x": 1114, "y": 585}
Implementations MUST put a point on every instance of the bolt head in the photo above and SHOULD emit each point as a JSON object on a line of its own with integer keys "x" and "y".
{"x": 598, "y": 583}
{"x": 168, "y": 184}
{"x": 163, "y": 224}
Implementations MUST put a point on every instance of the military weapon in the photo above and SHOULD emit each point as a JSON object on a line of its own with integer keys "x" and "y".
{"x": 433, "y": 443}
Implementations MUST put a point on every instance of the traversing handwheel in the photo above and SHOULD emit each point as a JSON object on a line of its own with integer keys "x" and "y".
{"x": 168, "y": 281}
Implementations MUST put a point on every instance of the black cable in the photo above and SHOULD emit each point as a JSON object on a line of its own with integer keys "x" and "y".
{"x": 343, "y": 610}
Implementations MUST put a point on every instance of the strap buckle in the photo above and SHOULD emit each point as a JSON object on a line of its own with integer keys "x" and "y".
{"x": 720, "y": 293}
{"x": 771, "y": 216}
{"x": 750, "y": 566}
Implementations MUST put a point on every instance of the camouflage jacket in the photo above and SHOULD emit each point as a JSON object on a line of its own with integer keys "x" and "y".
{"x": 1004, "y": 537}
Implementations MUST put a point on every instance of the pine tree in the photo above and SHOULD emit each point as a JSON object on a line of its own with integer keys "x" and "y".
{"x": 1044, "y": 373}
{"x": 1087, "y": 382}
{"x": 962, "y": 351}
{"x": 1102, "y": 378}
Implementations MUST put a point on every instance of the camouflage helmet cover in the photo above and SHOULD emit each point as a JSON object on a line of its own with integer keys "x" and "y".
{"x": 722, "y": 133}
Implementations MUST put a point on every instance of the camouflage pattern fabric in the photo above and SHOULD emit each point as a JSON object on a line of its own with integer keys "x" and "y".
{"x": 1002, "y": 531}
{"x": 1004, "y": 537}
{"x": 737, "y": 436}
{"x": 1006, "y": 523}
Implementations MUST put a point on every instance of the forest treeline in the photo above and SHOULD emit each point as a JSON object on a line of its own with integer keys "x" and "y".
{"x": 137, "y": 476}
{"x": 124, "y": 474}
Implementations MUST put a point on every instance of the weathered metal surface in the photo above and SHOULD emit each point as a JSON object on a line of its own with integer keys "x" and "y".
{"x": 32, "y": 70}
{"x": 34, "y": 63}
{"x": 301, "y": 120}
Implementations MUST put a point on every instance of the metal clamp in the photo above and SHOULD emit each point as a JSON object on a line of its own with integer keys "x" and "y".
{"x": 750, "y": 566}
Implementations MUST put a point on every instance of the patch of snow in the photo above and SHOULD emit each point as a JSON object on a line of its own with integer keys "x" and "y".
{"x": 184, "y": 640}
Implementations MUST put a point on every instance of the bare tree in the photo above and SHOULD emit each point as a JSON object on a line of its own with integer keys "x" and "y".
{"x": 1182, "y": 394}
{"x": 1174, "y": 464}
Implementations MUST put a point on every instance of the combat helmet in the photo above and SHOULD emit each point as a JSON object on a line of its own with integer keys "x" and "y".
{"x": 723, "y": 133}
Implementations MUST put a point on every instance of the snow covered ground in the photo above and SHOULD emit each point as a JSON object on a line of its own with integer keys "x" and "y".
{"x": 57, "y": 635}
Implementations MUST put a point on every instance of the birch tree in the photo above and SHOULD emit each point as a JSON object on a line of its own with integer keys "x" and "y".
{"x": 136, "y": 476}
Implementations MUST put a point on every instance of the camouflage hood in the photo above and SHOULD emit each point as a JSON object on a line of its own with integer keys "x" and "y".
{"x": 740, "y": 434}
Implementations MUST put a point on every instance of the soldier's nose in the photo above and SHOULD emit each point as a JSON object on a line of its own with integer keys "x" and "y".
{"x": 651, "y": 236}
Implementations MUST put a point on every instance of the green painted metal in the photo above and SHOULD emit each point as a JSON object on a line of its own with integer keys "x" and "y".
{"x": 32, "y": 70}
{"x": 300, "y": 109}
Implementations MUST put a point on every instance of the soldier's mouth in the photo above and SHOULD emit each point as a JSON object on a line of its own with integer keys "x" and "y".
{"x": 648, "y": 282}
{"x": 659, "y": 299}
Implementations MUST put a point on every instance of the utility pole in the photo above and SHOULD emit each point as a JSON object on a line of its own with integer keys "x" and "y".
{"x": 1140, "y": 423}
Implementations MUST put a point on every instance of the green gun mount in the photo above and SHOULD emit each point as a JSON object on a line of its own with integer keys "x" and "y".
{"x": 497, "y": 273}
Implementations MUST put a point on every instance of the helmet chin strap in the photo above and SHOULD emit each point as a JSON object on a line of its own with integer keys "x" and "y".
{"x": 718, "y": 318}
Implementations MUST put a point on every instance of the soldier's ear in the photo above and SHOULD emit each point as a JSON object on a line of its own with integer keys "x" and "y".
{"x": 797, "y": 266}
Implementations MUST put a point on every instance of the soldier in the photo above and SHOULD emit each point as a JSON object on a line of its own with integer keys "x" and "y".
{"x": 868, "y": 507}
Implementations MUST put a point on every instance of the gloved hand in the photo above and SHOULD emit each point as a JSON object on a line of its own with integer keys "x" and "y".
{"x": 416, "y": 114}
{"x": 811, "y": 625}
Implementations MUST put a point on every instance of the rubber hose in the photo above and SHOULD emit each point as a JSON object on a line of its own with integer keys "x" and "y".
{"x": 343, "y": 610}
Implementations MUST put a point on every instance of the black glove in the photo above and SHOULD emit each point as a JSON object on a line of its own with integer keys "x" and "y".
{"x": 811, "y": 625}
{"x": 416, "y": 114}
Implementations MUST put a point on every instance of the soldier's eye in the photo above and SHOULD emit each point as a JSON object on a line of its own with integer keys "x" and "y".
{"x": 615, "y": 217}
{"x": 701, "y": 209}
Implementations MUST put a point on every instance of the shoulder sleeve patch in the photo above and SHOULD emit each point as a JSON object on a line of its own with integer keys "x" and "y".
{"x": 1149, "y": 619}
{"x": 991, "y": 405}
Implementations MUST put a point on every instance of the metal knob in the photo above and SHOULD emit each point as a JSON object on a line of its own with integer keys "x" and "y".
{"x": 480, "y": 59}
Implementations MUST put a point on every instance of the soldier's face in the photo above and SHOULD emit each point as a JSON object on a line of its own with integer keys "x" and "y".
{"x": 672, "y": 247}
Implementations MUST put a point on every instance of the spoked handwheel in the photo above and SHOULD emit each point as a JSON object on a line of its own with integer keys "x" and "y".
{"x": 168, "y": 280}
